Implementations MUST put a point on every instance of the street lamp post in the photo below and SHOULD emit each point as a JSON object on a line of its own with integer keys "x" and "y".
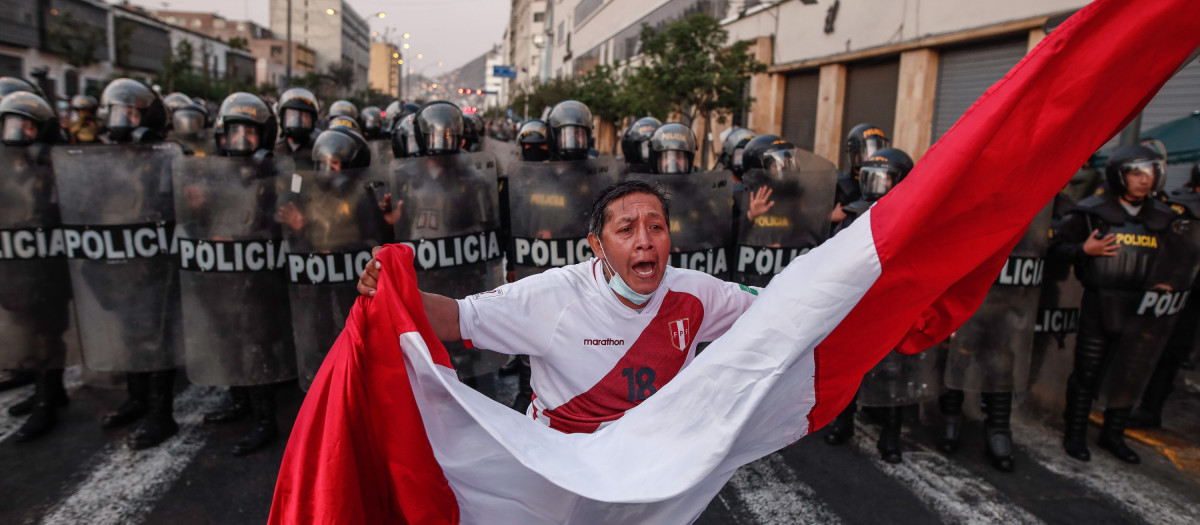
{"x": 288, "y": 75}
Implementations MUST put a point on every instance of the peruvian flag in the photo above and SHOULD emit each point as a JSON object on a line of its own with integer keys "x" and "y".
{"x": 388, "y": 435}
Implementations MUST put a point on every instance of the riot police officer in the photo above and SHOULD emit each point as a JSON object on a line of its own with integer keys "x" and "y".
{"x": 1183, "y": 341}
{"x": 371, "y": 120}
{"x": 35, "y": 293}
{"x": 898, "y": 380}
{"x": 570, "y": 130}
{"x": 533, "y": 138}
{"x": 635, "y": 144}
{"x": 298, "y": 110}
{"x": 862, "y": 141}
{"x": 404, "y": 138}
{"x": 13, "y": 84}
{"x": 85, "y": 127}
{"x": 343, "y": 108}
{"x": 1121, "y": 244}
{"x": 439, "y": 128}
{"x": 176, "y": 100}
{"x": 136, "y": 114}
{"x": 732, "y": 147}
{"x": 672, "y": 149}
{"x": 472, "y": 132}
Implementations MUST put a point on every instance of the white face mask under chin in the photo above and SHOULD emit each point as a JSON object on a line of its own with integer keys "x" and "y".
{"x": 618, "y": 284}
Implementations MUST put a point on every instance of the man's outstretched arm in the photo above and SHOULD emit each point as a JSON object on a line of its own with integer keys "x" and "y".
{"x": 442, "y": 311}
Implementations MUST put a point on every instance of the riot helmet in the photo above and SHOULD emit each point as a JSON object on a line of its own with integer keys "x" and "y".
{"x": 439, "y": 128}
{"x": 635, "y": 142}
{"x": 190, "y": 118}
{"x": 84, "y": 103}
{"x": 732, "y": 148}
{"x": 771, "y": 153}
{"x": 570, "y": 126}
{"x": 862, "y": 142}
{"x": 345, "y": 122}
{"x": 372, "y": 122}
{"x": 672, "y": 149}
{"x": 9, "y": 85}
{"x": 472, "y": 132}
{"x": 176, "y": 100}
{"x": 339, "y": 149}
{"x": 882, "y": 171}
{"x": 245, "y": 124}
{"x": 26, "y": 118}
{"x": 298, "y": 109}
{"x": 131, "y": 106}
{"x": 534, "y": 142}
{"x": 390, "y": 114}
{"x": 404, "y": 138}
{"x": 1136, "y": 159}
{"x": 343, "y": 108}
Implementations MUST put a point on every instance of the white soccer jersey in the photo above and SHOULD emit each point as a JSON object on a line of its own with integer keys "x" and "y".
{"x": 592, "y": 357}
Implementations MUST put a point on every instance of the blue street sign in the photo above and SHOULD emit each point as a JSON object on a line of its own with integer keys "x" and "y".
{"x": 504, "y": 71}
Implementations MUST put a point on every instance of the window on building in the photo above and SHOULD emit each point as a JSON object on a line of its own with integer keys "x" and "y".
{"x": 172, "y": 20}
{"x": 219, "y": 24}
{"x": 539, "y": 17}
{"x": 11, "y": 66}
{"x": 276, "y": 50}
{"x": 196, "y": 22}
{"x": 562, "y": 30}
{"x": 241, "y": 26}
{"x": 71, "y": 82}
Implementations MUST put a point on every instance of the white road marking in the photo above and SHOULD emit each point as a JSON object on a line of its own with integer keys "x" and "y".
{"x": 72, "y": 379}
{"x": 945, "y": 487}
{"x": 125, "y": 484}
{"x": 1104, "y": 474}
{"x": 770, "y": 491}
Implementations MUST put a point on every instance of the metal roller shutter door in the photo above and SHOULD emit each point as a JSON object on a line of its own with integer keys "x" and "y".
{"x": 870, "y": 97}
{"x": 965, "y": 73}
{"x": 1178, "y": 98}
{"x": 800, "y": 109}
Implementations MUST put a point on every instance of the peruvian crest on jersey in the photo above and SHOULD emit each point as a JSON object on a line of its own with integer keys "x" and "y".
{"x": 680, "y": 333}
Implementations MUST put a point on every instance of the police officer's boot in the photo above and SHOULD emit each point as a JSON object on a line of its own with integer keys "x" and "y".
{"x": 1112, "y": 436}
{"x": 56, "y": 395}
{"x": 524, "y": 391}
{"x": 262, "y": 401}
{"x": 841, "y": 429}
{"x": 48, "y": 396}
{"x": 889, "y": 434}
{"x": 159, "y": 423}
{"x": 950, "y": 404}
{"x": 996, "y": 429}
{"x": 135, "y": 406}
{"x": 238, "y": 407}
{"x": 1079, "y": 407}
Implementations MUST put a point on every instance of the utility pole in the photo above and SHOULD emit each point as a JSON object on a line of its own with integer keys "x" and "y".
{"x": 288, "y": 75}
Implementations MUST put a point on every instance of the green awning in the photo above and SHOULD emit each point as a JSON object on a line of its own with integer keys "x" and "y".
{"x": 1181, "y": 137}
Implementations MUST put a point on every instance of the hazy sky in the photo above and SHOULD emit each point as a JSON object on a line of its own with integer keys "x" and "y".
{"x": 450, "y": 31}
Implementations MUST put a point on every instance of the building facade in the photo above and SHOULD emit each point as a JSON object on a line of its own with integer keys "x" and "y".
{"x": 336, "y": 33}
{"x": 385, "y": 69}
{"x": 525, "y": 43}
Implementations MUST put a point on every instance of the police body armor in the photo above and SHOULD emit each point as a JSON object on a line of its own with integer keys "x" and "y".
{"x": 549, "y": 205}
{"x": 1136, "y": 295}
{"x": 232, "y": 260}
{"x": 118, "y": 214}
{"x": 701, "y": 219}
{"x": 507, "y": 153}
{"x": 798, "y": 222}
{"x": 449, "y": 215}
{"x": 330, "y": 220}
{"x": 991, "y": 351}
{"x": 35, "y": 288}
{"x": 300, "y": 157}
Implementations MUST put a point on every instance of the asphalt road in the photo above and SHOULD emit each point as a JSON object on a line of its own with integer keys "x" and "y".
{"x": 83, "y": 474}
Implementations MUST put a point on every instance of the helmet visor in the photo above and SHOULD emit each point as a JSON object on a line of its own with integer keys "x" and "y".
{"x": 779, "y": 161}
{"x": 874, "y": 181}
{"x": 442, "y": 140}
{"x": 241, "y": 137}
{"x": 372, "y": 122}
{"x": 124, "y": 116}
{"x": 873, "y": 144}
{"x": 572, "y": 138}
{"x": 187, "y": 121}
{"x": 328, "y": 162}
{"x": 294, "y": 119}
{"x": 674, "y": 161}
{"x": 17, "y": 130}
{"x": 644, "y": 150}
{"x": 738, "y": 154}
{"x": 1146, "y": 168}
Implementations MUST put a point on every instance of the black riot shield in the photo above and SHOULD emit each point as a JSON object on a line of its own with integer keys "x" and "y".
{"x": 118, "y": 217}
{"x": 1150, "y": 315}
{"x": 701, "y": 219}
{"x": 549, "y": 204}
{"x": 902, "y": 379}
{"x": 381, "y": 152}
{"x": 35, "y": 288}
{"x": 506, "y": 153}
{"x": 232, "y": 258}
{"x": 449, "y": 214}
{"x": 330, "y": 220}
{"x": 200, "y": 143}
{"x": 798, "y": 222}
{"x": 991, "y": 351}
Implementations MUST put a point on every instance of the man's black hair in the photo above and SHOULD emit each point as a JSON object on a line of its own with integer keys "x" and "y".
{"x": 600, "y": 214}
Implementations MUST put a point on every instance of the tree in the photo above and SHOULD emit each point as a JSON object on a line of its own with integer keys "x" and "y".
{"x": 342, "y": 75}
{"x": 74, "y": 40}
{"x": 689, "y": 64}
{"x": 543, "y": 95}
{"x": 176, "y": 66}
{"x": 239, "y": 43}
